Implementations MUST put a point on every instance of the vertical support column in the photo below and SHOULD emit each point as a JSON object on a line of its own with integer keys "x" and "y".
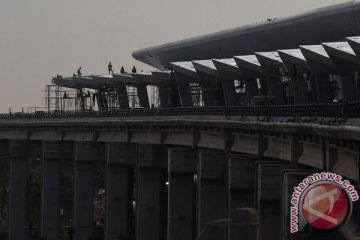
{"x": 123, "y": 96}
{"x": 143, "y": 96}
{"x": 165, "y": 95}
{"x": 211, "y": 193}
{"x": 290, "y": 179}
{"x": 51, "y": 155}
{"x": 241, "y": 191}
{"x": 185, "y": 95}
{"x": 323, "y": 88}
{"x": 181, "y": 170}
{"x": 299, "y": 91}
{"x": 85, "y": 154}
{"x": 151, "y": 193}
{"x": 229, "y": 92}
{"x": 251, "y": 87}
{"x": 120, "y": 160}
{"x": 269, "y": 198}
{"x": 19, "y": 153}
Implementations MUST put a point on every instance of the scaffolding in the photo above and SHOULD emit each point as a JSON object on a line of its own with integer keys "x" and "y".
{"x": 64, "y": 99}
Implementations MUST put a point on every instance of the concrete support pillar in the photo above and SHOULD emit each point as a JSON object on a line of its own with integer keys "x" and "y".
{"x": 185, "y": 95}
{"x": 19, "y": 153}
{"x": 165, "y": 95}
{"x": 51, "y": 155}
{"x": 229, "y": 92}
{"x": 208, "y": 95}
{"x": 276, "y": 89}
{"x": 151, "y": 193}
{"x": 241, "y": 191}
{"x": 290, "y": 179}
{"x": 323, "y": 88}
{"x": 120, "y": 159}
{"x": 181, "y": 170}
{"x": 349, "y": 88}
{"x": 269, "y": 198}
{"x": 85, "y": 154}
{"x": 123, "y": 97}
{"x": 298, "y": 88}
{"x": 143, "y": 96}
{"x": 251, "y": 87}
{"x": 211, "y": 193}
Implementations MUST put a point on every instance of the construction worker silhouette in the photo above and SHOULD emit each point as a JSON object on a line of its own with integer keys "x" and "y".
{"x": 110, "y": 68}
{"x": 122, "y": 70}
{"x": 79, "y": 73}
{"x": 133, "y": 69}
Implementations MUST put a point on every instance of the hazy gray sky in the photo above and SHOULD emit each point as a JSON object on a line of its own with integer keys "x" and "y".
{"x": 42, "y": 38}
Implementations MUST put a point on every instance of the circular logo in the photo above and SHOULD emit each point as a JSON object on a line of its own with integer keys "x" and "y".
{"x": 325, "y": 206}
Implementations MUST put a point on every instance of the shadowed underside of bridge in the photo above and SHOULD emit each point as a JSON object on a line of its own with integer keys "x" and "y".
{"x": 240, "y": 162}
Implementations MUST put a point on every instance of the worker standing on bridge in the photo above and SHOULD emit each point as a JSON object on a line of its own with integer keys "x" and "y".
{"x": 122, "y": 70}
{"x": 79, "y": 73}
{"x": 133, "y": 69}
{"x": 110, "y": 68}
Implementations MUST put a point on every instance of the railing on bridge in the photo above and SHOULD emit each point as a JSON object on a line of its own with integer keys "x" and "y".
{"x": 339, "y": 110}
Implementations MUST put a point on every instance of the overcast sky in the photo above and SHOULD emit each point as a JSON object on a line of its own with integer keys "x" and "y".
{"x": 42, "y": 38}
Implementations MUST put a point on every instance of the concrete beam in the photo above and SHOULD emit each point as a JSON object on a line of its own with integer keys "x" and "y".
{"x": 255, "y": 144}
{"x": 185, "y": 138}
{"x": 146, "y": 137}
{"x": 113, "y": 136}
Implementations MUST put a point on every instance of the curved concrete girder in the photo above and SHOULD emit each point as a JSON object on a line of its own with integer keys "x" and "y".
{"x": 104, "y": 80}
{"x": 249, "y": 65}
{"x": 65, "y": 82}
{"x": 186, "y": 68}
{"x": 341, "y": 50}
{"x": 317, "y": 58}
{"x": 205, "y": 66}
{"x": 85, "y": 81}
{"x": 162, "y": 76}
{"x": 126, "y": 79}
{"x": 144, "y": 79}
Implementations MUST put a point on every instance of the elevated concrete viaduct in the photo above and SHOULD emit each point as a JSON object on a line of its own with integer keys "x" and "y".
{"x": 190, "y": 171}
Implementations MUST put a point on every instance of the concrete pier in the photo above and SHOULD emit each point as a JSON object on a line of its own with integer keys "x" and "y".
{"x": 50, "y": 218}
{"x": 19, "y": 153}
{"x": 120, "y": 160}
{"x": 151, "y": 193}
{"x": 85, "y": 155}
{"x": 241, "y": 191}
{"x": 211, "y": 192}
{"x": 181, "y": 199}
